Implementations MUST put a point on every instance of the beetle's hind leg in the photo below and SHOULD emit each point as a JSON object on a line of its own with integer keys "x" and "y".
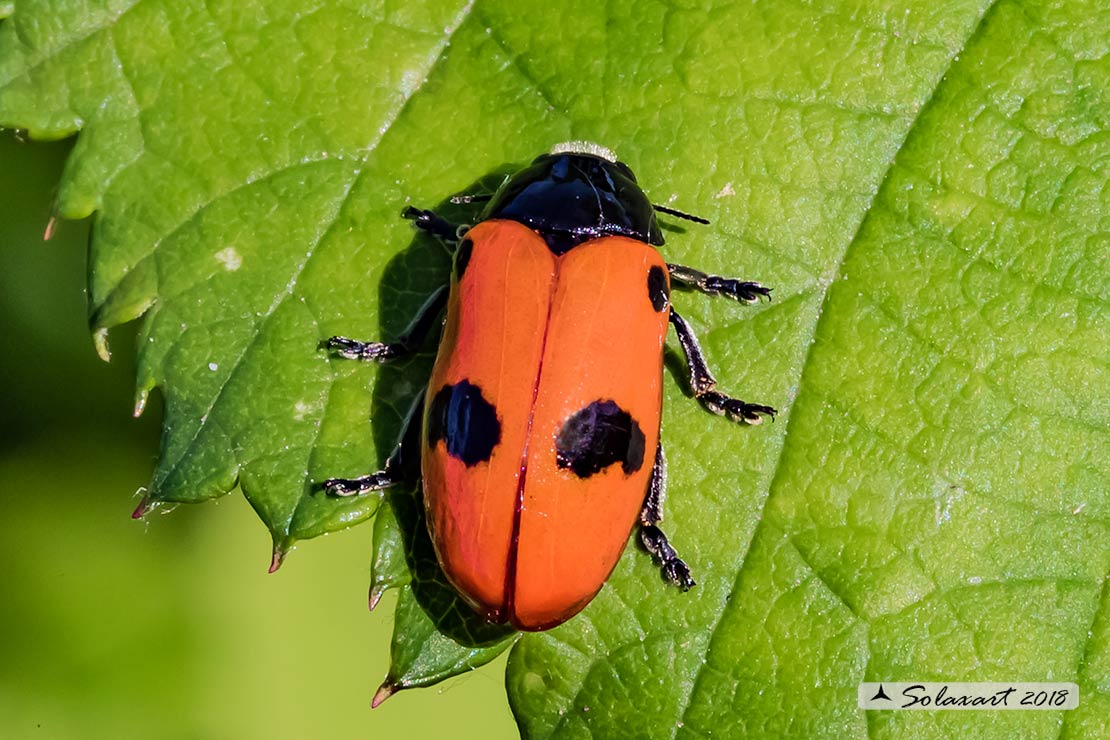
{"x": 409, "y": 341}
{"x": 745, "y": 291}
{"x": 401, "y": 466}
{"x": 704, "y": 384}
{"x": 674, "y": 569}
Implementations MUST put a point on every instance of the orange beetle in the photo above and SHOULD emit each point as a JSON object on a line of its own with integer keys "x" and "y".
{"x": 539, "y": 448}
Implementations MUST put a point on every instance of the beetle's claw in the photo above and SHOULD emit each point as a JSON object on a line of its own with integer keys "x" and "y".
{"x": 751, "y": 413}
{"x": 678, "y": 573}
{"x": 751, "y": 292}
{"x": 338, "y": 487}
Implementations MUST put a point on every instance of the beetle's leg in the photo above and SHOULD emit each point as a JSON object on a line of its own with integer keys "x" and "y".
{"x": 704, "y": 384}
{"x": 674, "y": 569}
{"x": 433, "y": 223}
{"x": 409, "y": 341}
{"x": 738, "y": 290}
{"x": 403, "y": 464}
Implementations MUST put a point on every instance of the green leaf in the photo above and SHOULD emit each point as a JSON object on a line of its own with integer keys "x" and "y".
{"x": 389, "y": 568}
{"x": 425, "y": 651}
{"x": 436, "y": 635}
{"x": 925, "y": 185}
{"x": 936, "y": 506}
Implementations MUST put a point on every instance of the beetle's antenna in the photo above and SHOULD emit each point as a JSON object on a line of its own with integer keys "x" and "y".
{"x": 464, "y": 199}
{"x": 680, "y": 214}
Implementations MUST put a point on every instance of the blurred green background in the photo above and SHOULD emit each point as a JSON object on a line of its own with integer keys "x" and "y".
{"x": 168, "y": 628}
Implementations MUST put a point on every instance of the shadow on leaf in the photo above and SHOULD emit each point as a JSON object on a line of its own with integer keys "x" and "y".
{"x": 436, "y": 635}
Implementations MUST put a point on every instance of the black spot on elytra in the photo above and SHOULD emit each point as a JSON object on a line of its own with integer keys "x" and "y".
{"x": 462, "y": 257}
{"x": 596, "y": 437}
{"x": 465, "y": 420}
{"x": 658, "y": 290}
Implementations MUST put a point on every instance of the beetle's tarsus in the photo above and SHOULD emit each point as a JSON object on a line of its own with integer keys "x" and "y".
{"x": 353, "y": 349}
{"x": 433, "y": 223}
{"x": 402, "y": 465}
{"x": 466, "y": 199}
{"x": 354, "y": 486}
{"x": 408, "y": 343}
{"x": 735, "y": 409}
{"x": 744, "y": 291}
{"x": 738, "y": 290}
{"x": 678, "y": 573}
{"x": 673, "y": 569}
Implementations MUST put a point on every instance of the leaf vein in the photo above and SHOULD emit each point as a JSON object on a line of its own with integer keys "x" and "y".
{"x": 371, "y": 145}
{"x": 1088, "y": 644}
{"x": 291, "y": 286}
{"x": 50, "y": 54}
{"x": 686, "y": 701}
{"x": 514, "y": 59}
{"x": 259, "y": 330}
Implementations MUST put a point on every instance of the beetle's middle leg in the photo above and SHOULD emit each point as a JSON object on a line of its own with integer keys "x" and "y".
{"x": 409, "y": 341}
{"x": 674, "y": 569}
{"x": 403, "y": 464}
{"x": 704, "y": 384}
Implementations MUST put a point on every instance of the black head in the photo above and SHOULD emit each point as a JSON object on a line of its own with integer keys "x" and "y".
{"x": 576, "y": 193}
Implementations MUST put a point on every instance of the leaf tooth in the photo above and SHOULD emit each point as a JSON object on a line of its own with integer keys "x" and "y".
{"x": 386, "y": 690}
{"x": 277, "y": 558}
{"x": 144, "y": 507}
{"x": 100, "y": 342}
{"x": 141, "y": 397}
{"x": 376, "y": 593}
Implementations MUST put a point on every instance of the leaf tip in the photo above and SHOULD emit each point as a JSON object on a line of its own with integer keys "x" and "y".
{"x": 141, "y": 397}
{"x": 144, "y": 507}
{"x": 376, "y": 593}
{"x": 386, "y": 690}
{"x": 51, "y": 226}
{"x": 100, "y": 341}
{"x": 277, "y": 558}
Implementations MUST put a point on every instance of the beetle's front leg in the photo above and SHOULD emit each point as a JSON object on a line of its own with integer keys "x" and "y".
{"x": 409, "y": 341}
{"x": 433, "y": 223}
{"x": 744, "y": 291}
{"x": 674, "y": 569}
{"x": 402, "y": 465}
{"x": 704, "y": 384}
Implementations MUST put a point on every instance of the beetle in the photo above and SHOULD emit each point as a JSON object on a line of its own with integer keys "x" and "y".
{"x": 538, "y": 435}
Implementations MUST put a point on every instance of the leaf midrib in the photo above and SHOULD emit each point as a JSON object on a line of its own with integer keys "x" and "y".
{"x": 1084, "y": 658}
{"x": 826, "y": 285}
